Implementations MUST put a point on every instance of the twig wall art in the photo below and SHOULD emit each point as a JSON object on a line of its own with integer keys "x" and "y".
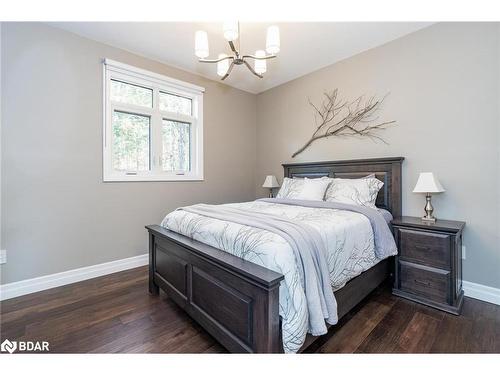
{"x": 339, "y": 117}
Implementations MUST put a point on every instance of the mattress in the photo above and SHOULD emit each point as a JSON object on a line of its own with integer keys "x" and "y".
{"x": 347, "y": 236}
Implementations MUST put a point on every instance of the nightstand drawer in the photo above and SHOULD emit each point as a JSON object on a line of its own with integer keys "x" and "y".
{"x": 432, "y": 284}
{"x": 428, "y": 248}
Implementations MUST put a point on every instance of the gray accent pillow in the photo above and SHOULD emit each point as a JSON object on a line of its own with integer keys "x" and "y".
{"x": 360, "y": 191}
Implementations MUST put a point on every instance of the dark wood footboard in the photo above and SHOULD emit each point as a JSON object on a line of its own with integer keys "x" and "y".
{"x": 236, "y": 301}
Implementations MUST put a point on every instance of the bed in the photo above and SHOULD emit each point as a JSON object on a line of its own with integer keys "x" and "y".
{"x": 238, "y": 301}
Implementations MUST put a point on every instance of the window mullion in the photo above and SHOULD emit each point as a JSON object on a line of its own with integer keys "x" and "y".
{"x": 177, "y": 117}
{"x": 144, "y": 111}
{"x": 156, "y": 141}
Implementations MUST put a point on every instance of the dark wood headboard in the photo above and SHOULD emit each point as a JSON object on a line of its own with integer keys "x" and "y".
{"x": 387, "y": 170}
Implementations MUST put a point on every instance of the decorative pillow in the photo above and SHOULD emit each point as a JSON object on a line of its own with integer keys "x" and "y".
{"x": 360, "y": 191}
{"x": 314, "y": 189}
{"x": 291, "y": 188}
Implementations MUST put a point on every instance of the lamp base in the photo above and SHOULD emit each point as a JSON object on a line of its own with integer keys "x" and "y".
{"x": 271, "y": 193}
{"x": 428, "y": 210}
{"x": 431, "y": 219}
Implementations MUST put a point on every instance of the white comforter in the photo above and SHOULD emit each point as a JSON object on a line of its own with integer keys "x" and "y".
{"x": 348, "y": 238}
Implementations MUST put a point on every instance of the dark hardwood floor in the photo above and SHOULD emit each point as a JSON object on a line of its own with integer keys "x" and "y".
{"x": 115, "y": 314}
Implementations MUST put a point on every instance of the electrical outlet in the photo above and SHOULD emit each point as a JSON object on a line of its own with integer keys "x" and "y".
{"x": 463, "y": 251}
{"x": 3, "y": 256}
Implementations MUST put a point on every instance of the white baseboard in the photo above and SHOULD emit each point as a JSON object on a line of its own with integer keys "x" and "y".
{"x": 20, "y": 288}
{"x": 37, "y": 284}
{"x": 481, "y": 292}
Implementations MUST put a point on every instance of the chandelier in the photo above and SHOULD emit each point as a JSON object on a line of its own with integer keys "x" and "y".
{"x": 225, "y": 63}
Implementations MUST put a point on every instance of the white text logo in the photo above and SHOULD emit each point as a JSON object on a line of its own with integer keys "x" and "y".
{"x": 24, "y": 346}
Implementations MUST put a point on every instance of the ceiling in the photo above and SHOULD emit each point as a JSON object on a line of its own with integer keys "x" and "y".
{"x": 305, "y": 47}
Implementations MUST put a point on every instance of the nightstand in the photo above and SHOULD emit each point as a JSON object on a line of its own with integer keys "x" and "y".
{"x": 429, "y": 262}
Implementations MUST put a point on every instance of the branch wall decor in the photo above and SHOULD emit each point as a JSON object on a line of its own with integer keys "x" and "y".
{"x": 339, "y": 117}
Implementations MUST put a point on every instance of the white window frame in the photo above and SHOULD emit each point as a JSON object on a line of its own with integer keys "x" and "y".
{"x": 113, "y": 70}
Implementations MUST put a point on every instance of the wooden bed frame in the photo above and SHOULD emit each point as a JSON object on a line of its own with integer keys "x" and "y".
{"x": 237, "y": 301}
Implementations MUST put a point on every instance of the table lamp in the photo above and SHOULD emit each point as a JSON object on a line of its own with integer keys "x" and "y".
{"x": 428, "y": 183}
{"x": 271, "y": 182}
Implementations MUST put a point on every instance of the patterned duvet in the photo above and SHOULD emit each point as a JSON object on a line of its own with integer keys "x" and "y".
{"x": 348, "y": 238}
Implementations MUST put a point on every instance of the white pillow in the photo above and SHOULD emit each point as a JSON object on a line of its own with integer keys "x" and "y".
{"x": 360, "y": 191}
{"x": 313, "y": 189}
{"x": 291, "y": 188}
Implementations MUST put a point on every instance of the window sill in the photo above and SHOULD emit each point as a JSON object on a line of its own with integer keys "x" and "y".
{"x": 154, "y": 178}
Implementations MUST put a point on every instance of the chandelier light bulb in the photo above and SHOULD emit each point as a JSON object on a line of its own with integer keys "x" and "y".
{"x": 260, "y": 65}
{"x": 201, "y": 44}
{"x": 230, "y": 30}
{"x": 273, "y": 40}
{"x": 222, "y": 66}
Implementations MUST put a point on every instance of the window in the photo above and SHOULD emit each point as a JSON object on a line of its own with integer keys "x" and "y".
{"x": 153, "y": 126}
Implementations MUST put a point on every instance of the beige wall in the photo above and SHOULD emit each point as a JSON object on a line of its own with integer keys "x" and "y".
{"x": 57, "y": 213}
{"x": 444, "y": 85}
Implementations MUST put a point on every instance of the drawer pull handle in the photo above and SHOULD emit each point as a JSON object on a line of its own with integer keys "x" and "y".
{"x": 423, "y": 248}
{"x": 424, "y": 283}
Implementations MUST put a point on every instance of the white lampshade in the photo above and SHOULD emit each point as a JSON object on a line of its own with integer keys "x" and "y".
{"x": 428, "y": 183}
{"x": 201, "y": 44}
{"x": 260, "y": 65}
{"x": 222, "y": 66}
{"x": 273, "y": 40}
{"x": 271, "y": 182}
{"x": 230, "y": 30}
